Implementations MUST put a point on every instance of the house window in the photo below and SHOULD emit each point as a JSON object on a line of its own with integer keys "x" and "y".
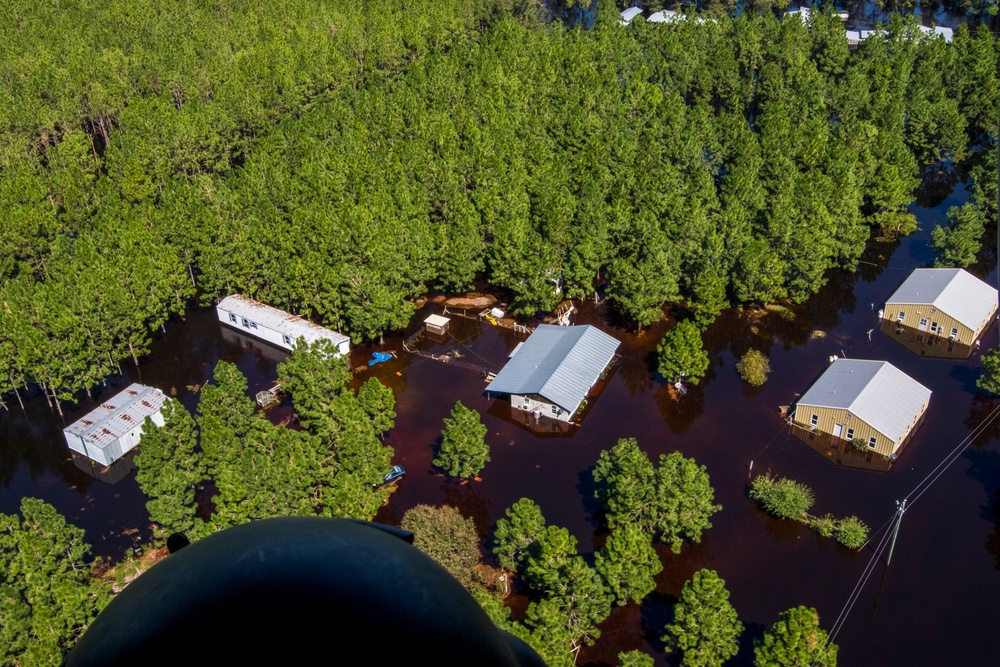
{"x": 232, "y": 318}
{"x": 934, "y": 327}
{"x": 287, "y": 339}
{"x": 526, "y": 401}
{"x": 902, "y": 316}
{"x": 954, "y": 332}
{"x": 850, "y": 435}
{"x": 871, "y": 442}
{"x": 253, "y": 325}
{"x": 555, "y": 409}
{"x": 814, "y": 420}
{"x": 246, "y": 323}
{"x": 848, "y": 415}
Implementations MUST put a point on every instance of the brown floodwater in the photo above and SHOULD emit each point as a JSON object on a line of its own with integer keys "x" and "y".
{"x": 936, "y": 603}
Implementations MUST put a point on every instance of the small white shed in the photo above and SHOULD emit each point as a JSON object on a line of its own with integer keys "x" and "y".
{"x": 114, "y": 427}
{"x": 437, "y": 324}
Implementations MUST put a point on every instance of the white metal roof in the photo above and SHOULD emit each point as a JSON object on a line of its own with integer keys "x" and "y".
{"x": 665, "y": 16}
{"x": 558, "y": 363}
{"x": 876, "y": 392}
{"x": 118, "y": 415}
{"x": 437, "y": 320}
{"x": 278, "y": 320}
{"x": 955, "y": 292}
{"x": 629, "y": 14}
{"x": 938, "y": 31}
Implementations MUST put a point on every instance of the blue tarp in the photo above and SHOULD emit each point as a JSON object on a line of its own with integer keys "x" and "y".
{"x": 379, "y": 357}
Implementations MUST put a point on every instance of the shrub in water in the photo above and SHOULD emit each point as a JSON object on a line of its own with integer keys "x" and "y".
{"x": 784, "y": 498}
{"x": 754, "y": 368}
{"x": 851, "y": 532}
{"x": 824, "y": 525}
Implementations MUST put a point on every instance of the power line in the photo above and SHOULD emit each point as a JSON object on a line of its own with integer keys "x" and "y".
{"x": 919, "y": 490}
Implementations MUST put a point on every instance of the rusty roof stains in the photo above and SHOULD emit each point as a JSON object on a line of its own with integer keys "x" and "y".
{"x": 121, "y": 414}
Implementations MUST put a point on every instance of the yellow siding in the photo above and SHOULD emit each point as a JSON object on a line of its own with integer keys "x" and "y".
{"x": 913, "y": 312}
{"x": 827, "y": 418}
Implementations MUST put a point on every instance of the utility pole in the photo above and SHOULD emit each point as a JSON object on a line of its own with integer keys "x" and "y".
{"x": 900, "y": 508}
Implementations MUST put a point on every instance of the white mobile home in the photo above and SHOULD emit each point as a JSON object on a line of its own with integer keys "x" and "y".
{"x": 114, "y": 427}
{"x": 275, "y": 326}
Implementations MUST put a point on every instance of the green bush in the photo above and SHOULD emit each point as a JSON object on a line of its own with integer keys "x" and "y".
{"x": 851, "y": 532}
{"x": 824, "y": 525}
{"x": 754, "y": 368}
{"x": 782, "y": 497}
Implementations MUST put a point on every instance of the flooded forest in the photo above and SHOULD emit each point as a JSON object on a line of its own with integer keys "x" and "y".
{"x": 752, "y": 180}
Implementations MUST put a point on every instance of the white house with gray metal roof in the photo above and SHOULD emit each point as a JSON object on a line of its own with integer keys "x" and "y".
{"x": 275, "y": 326}
{"x": 554, "y": 370}
{"x": 114, "y": 427}
{"x": 867, "y": 402}
{"x": 949, "y": 304}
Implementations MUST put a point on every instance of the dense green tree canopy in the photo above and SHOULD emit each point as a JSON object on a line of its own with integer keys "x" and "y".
{"x": 628, "y": 563}
{"x": 463, "y": 451}
{"x": 795, "y": 640}
{"x": 336, "y": 159}
{"x": 170, "y": 468}
{"x": 705, "y": 628}
{"x": 48, "y": 595}
{"x": 446, "y": 536}
{"x": 672, "y": 501}
{"x": 520, "y": 528}
{"x": 681, "y": 356}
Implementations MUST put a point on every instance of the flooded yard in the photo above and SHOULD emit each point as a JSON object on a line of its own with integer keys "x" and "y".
{"x": 935, "y": 604}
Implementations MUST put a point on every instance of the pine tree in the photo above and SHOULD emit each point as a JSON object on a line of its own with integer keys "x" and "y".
{"x": 463, "y": 451}
{"x": 517, "y": 532}
{"x": 628, "y": 563}
{"x": 705, "y": 627}
{"x": 795, "y": 640}
{"x": 681, "y": 355}
{"x": 170, "y": 468}
{"x": 48, "y": 595}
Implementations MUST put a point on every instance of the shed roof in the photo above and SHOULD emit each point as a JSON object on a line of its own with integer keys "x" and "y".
{"x": 437, "y": 320}
{"x": 877, "y": 392}
{"x": 665, "y": 16}
{"x": 118, "y": 415}
{"x": 558, "y": 363}
{"x": 630, "y": 13}
{"x": 953, "y": 291}
{"x": 278, "y": 320}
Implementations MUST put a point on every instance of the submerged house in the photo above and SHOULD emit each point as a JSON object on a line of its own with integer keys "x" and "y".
{"x": 275, "y": 326}
{"x": 553, "y": 371}
{"x": 867, "y": 402}
{"x": 940, "y": 312}
{"x": 110, "y": 430}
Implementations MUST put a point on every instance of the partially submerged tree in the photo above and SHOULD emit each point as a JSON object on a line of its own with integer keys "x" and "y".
{"x": 795, "y": 640}
{"x": 628, "y": 563}
{"x": 989, "y": 380}
{"x": 464, "y": 451}
{"x": 705, "y": 628}
{"x": 959, "y": 243}
{"x": 754, "y": 367}
{"x": 782, "y": 497}
{"x": 448, "y": 537}
{"x": 673, "y": 501}
{"x": 170, "y": 468}
{"x": 681, "y": 355}
{"x": 516, "y": 532}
